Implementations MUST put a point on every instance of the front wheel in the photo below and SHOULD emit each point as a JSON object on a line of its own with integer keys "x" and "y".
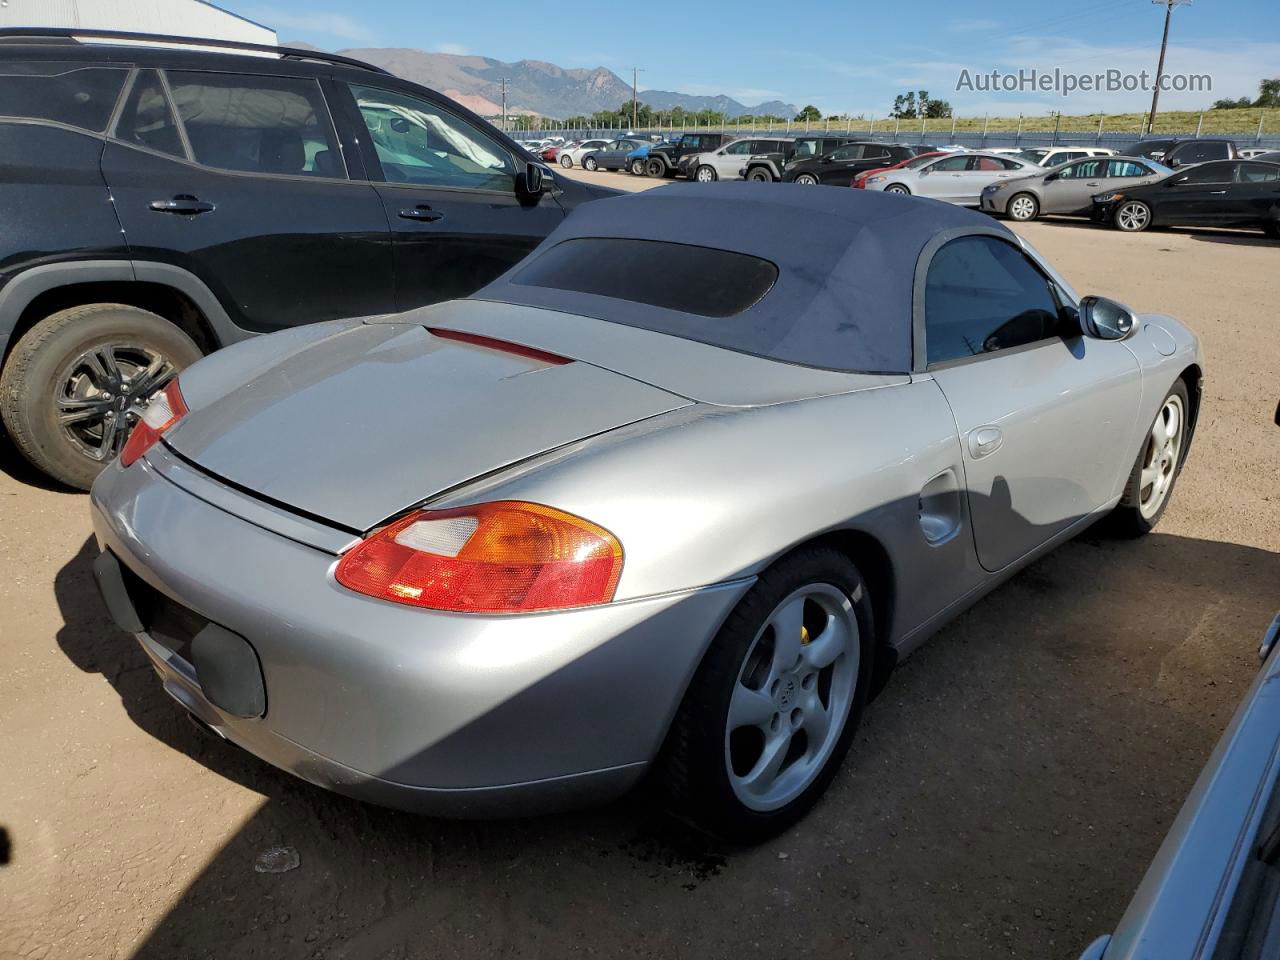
{"x": 566, "y": 161}
{"x": 774, "y": 704}
{"x": 1132, "y": 216}
{"x": 1159, "y": 461}
{"x": 760, "y": 175}
{"x": 897, "y": 188}
{"x": 589, "y": 164}
{"x": 637, "y": 168}
{"x": 1023, "y": 207}
{"x": 807, "y": 180}
{"x": 71, "y": 388}
{"x": 705, "y": 174}
{"x": 655, "y": 168}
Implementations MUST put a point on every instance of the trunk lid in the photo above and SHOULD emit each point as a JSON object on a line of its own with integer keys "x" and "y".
{"x": 361, "y": 425}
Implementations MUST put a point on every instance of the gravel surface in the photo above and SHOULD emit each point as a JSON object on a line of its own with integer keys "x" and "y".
{"x": 1003, "y": 797}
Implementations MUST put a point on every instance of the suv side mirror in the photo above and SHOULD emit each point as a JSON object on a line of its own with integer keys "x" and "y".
{"x": 533, "y": 181}
{"x": 825, "y": 159}
{"x": 1105, "y": 319}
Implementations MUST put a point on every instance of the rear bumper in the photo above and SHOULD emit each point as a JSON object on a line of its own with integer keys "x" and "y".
{"x": 438, "y": 713}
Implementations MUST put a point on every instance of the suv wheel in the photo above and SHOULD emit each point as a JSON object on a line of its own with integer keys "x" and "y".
{"x": 705, "y": 174}
{"x": 760, "y": 175}
{"x": 70, "y": 388}
{"x": 656, "y": 168}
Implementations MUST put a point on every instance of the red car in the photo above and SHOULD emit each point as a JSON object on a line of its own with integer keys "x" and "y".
{"x": 549, "y": 153}
{"x": 860, "y": 181}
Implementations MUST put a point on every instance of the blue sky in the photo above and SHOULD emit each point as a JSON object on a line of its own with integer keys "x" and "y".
{"x": 837, "y": 54}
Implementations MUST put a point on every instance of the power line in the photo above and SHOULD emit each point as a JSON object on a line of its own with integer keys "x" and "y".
{"x": 504, "y": 81}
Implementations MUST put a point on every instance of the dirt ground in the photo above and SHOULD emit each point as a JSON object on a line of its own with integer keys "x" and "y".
{"x": 1003, "y": 797}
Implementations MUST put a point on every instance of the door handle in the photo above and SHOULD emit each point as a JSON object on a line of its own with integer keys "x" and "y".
{"x": 1216, "y": 192}
{"x": 183, "y": 203}
{"x": 984, "y": 441}
{"x": 1090, "y": 184}
{"x": 421, "y": 212}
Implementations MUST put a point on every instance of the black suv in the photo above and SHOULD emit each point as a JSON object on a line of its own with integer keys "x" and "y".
{"x": 841, "y": 165}
{"x": 665, "y": 162}
{"x": 1181, "y": 153}
{"x": 160, "y": 203}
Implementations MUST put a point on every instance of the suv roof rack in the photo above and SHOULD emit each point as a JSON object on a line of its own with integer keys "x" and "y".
{"x": 47, "y": 34}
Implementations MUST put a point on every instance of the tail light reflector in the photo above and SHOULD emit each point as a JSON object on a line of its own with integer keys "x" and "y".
{"x": 163, "y": 410}
{"x": 502, "y": 557}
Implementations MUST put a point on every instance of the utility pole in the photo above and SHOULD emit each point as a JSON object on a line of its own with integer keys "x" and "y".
{"x": 635, "y": 104}
{"x": 504, "y": 81}
{"x": 1164, "y": 42}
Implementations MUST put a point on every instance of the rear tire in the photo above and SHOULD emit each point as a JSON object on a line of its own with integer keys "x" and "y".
{"x": 566, "y": 161}
{"x": 589, "y": 164}
{"x": 71, "y": 380}
{"x": 1160, "y": 459}
{"x": 1022, "y": 207}
{"x": 807, "y": 180}
{"x": 760, "y": 175}
{"x": 754, "y": 698}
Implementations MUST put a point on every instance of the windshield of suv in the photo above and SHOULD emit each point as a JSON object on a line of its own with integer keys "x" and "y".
{"x": 1034, "y": 155}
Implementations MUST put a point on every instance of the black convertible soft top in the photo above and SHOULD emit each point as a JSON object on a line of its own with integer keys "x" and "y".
{"x": 834, "y": 289}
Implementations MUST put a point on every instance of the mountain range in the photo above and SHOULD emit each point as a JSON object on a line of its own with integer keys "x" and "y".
{"x": 534, "y": 86}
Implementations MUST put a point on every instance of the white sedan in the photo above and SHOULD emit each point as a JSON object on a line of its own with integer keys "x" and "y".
{"x": 957, "y": 178}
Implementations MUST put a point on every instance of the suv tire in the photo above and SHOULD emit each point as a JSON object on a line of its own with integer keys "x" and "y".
{"x": 67, "y": 357}
{"x": 760, "y": 175}
{"x": 656, "y": 168}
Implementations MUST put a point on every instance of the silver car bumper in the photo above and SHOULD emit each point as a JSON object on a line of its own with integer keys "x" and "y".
{"x": 439, "y": 713}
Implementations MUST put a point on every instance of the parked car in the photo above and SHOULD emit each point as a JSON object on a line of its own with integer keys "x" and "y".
{"x": 1223, "y": 193}
{"x": 1179, "y": 153}
{"x": 840, "y": 165}
{"x": 1053, "y": 156}
{"x": 767, "y": 167}
{"x": 1213, "y": 889}
{"x": 671, "y": 161}
{"x": 957, "y": 178}
{"x": 1272, "y": 157}
{"x": 1068, "y": 189}
{"x": 729, "y": 162}
{"x": 549, "y": 152}
{"x": 1252, "y": 153}
{"x": 639, "y": 157}
{"x": 162, "y": 202}
{"x": 860, "y": 179}
{"x": 612, "y": 156}
{"x": 571, "y": 154}
{"x": 590, "y": 553}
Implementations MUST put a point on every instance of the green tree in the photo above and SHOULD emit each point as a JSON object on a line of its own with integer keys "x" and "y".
{"x": 1268, "y": 93}
{"x": 1229, "y": 104}
{"x": 917, "y": 103}
{"x": 809, "y": 114}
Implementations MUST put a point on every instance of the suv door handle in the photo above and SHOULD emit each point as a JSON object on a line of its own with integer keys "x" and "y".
{"x": 984, "y": 441}
{"x": 1216, "y": 192}
{"x": 183, "y": 203}
{"x": 421, "y": 212}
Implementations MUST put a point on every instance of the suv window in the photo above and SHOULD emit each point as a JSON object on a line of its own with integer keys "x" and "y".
{"x": 741, "y": 147}
{"x": 63, "y": 92}
{"x": 275, "y": 125}
{"x": 418, "y": 142}
{"x": 1210, "y": 173}
{"x": 147, "y": 119}
{"x": 852, "y": 152}
{"x": 874, "y": 152}
{"x": 982, "y": 295}
{"x": 1200, "y": 152}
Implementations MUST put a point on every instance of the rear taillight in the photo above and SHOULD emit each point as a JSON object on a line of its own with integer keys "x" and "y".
{"x": 164, "y": 410}
{"x": 503, "y": 557}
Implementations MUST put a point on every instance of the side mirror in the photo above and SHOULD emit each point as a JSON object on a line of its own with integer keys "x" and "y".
{"x": 1105, "y": 319}
{"x": 533, "y": 181}
{"x": 826, "y": 159}
{"x": 1052, "y": 177}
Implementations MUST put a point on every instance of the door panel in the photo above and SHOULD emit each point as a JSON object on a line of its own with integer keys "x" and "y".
{"x": 448, "y": 190}
{"x": 277, "y": 250}
{"x": 1045, "y": 433}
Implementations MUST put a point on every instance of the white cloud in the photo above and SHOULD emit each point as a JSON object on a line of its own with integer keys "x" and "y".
{"x": 335, "y": 25}
{"x": 456, "y": 49}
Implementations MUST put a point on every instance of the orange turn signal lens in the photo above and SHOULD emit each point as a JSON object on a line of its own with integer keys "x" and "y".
{"x": 503, "y": 557}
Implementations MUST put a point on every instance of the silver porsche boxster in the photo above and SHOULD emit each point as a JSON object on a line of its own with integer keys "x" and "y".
{"x": 672, "y": 495}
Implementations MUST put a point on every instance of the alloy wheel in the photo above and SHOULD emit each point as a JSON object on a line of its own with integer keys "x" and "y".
{"x": 806, "y": 180}
{"x": 1133, "y": 216}
{"x": 1022, "y": 207}
{"x": 791, "y": 698}
{"x": 1160, "y": 456}
{"x": 100, "y": 392}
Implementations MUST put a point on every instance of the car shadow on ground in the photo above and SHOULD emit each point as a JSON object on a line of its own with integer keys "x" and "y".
{"x": 1242, "y": 237}
{"x": 1005, "y": 793}
{"x": 19, "y": 468}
